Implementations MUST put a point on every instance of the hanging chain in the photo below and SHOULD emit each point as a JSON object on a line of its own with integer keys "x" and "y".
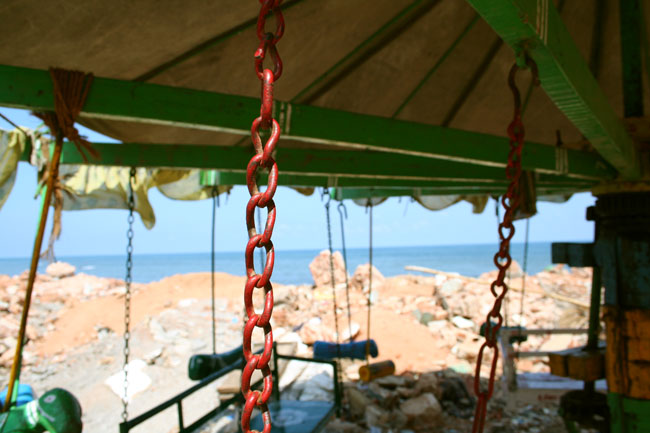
{"x": 369, "y": 305}
{"x": 333, "y": 284}
{"x": 343, "y": 214}
{"x": 502, "y": 258}
{"x": 127, "y": 294}
{"x": 215, "y": 203}
{"x": 262, "y": 160}
{"x": 523, "y": 283}
{"x": 259, "y": 224}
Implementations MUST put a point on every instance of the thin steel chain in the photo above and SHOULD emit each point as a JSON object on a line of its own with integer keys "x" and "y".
{"x": 343, "y": 214}
{"x": 502, "y": 258}
{"x": 127, "y": 294}
{"x": 333, "y": 284}
{"x": 523, "y": 282}
{"x": 215, "y": 203}
{"x": 369, "y": 304}
{"x": 263, "y": 159}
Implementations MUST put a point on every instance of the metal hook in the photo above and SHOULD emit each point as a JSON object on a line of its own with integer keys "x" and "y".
{"x": 344, "y": 211}
{"x": 215, "y": 194}
{"x": 325, "y": 193}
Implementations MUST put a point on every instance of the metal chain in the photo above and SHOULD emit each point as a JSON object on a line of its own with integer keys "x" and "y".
{"x": 523, "y": 282}
{"x": 369, "y": 305}
{"x": 343, "y": 214}
{"x": 263, "y": 159}
{"x": 259, "y": 224}
{"x": 333, "y": 284}
{"x": 502, "y": 258}
{"x": 215, "y": 203}
{"x": 127, "y": 294}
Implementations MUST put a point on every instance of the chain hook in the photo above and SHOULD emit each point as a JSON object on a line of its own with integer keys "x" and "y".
{"x": 342, "y": 210}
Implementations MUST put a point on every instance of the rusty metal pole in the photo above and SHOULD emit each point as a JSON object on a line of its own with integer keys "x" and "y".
{"x": 36, "y": 253}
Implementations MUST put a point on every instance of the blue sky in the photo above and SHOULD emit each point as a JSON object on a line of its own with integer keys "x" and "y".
{"x": 185, "y": 226}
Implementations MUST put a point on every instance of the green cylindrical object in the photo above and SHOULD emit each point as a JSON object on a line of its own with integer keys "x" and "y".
{"x": 57, "y": 411}
{"x": 376, "y": 370}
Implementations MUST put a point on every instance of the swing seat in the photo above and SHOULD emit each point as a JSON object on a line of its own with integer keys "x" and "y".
{"x": 289, "y": 416}
{"x": 203, "y": 365}
{"x": 355, "y": 350}
{"x": 286, "y": 415}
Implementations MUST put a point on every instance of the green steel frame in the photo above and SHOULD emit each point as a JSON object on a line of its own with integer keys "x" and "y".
{"x": 308, "y": 167}
{"x": 536, "y": 28}
{"x": 164, "y": 105}
{"x": 361, "y": 193}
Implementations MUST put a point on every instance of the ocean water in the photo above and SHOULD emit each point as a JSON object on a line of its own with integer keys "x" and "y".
{"x": 292, "y": 267}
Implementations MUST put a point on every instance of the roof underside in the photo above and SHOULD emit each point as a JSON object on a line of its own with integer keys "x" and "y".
{"x": 431, "y": 62}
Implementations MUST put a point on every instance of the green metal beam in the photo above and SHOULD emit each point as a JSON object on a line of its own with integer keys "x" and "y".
{"x": 215, "y": 177}
{"x": 535, "y": 26}
{"x": 326, "y": 167}
{"x": 164, "y": 105}
{"x": 359, "y": 193}
{"x": 632, "y": 65}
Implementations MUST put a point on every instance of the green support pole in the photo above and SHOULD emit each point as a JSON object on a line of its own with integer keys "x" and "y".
{"x": 534, "y": 26}
{"x": 628, "y": 414}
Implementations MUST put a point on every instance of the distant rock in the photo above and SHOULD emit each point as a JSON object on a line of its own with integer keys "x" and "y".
{"x": 60, "y": 270}
{"x": 361, "y": 277}
{"x": 515, "y": 271}
{"x": 320, "y": 268}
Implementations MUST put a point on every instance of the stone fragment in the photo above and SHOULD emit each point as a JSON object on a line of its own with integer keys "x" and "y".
{"x": 450, "y": 287}
{"x": 515, "y": 271}
{"x": 361, "y": 277}
{"x": 313, "y": 331}
{"x": 358, "y": 401}
{"x": 391, "y": 382}
{"x": 423, "y": 412}
{"x": 60, "y": 270}
{"x": 427, "y": 382}
{"x": 376, "y": 416}
{"x": 350, "y": 332}
{"x": 320, "y": 268}
{"x": 340, "y": 426}
{"x": 462, "y": 323}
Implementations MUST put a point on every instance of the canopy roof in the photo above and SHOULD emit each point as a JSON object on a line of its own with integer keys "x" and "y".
{"x": 437, "y": 63}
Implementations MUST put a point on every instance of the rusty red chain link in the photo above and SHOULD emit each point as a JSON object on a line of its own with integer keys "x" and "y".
{"x": 502, "y": 258}
{"x": 263, "y": 159}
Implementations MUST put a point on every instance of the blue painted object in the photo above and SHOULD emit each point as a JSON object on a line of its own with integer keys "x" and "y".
{"x": 25, "y": 395}
{"x": 356, "y": 350}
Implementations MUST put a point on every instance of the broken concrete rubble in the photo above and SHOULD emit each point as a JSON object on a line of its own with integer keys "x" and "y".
{"x": 414, "y": 323}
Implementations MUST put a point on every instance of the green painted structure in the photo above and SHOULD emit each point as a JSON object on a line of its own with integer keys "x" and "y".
{"x": 407, "y": 98}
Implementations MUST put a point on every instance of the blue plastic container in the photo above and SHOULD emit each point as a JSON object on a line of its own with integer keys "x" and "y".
{"x": 25, "y": 395}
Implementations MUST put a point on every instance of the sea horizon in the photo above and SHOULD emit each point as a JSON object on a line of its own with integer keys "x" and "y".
{"x": 292, "y": 266}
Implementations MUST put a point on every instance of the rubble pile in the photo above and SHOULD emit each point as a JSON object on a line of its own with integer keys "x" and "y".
{"x": 55, "y": 290}
{"x": 427, "y": 324}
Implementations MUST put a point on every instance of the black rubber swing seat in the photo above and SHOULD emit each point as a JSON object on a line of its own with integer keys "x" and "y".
{"x": 291, "y": 416}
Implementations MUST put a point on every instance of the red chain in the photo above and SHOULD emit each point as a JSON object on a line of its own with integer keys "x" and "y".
{"x": 502, "y": 258}
{"x": 263, "y": 159}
